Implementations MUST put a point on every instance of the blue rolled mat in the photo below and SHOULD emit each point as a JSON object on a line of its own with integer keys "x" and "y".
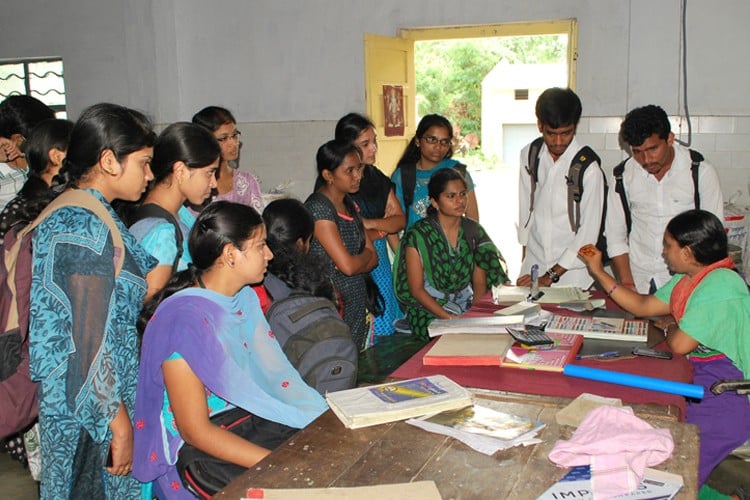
{"x": 650, "y": 383}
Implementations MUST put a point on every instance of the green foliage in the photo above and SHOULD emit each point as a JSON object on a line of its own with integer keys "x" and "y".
{"x": 450, "y": 72}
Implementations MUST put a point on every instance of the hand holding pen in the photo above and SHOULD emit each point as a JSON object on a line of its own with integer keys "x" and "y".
{"x": 534, "y": 293}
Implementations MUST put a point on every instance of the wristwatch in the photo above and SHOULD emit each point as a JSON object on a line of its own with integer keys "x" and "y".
{"x": 552, "y": 275}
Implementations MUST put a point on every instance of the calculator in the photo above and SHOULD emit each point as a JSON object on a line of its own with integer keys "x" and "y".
{"x": 532, "y": 336}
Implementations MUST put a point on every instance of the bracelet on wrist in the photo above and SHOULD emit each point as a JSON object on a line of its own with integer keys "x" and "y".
{"x": 627, "y": 283}
{"x": 614, "y": 287}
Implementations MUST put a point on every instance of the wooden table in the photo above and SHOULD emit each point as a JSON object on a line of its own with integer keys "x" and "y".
{"x": 326, "y": 454}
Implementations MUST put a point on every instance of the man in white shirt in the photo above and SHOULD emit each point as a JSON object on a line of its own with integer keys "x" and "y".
{"x": 658, "y": 185}
{"x": 545, "y": 229}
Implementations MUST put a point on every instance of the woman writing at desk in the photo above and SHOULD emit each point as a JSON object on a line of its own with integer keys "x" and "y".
{"x": 704, "y": 287}
{"x": 446, "y": 259}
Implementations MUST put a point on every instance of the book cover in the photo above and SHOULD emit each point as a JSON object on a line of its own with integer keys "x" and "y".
{"x": 365, "y": 406}
{"x": 509, "y": 294}
{"x": 600, "y": 327}
{"x": 576, "y": 484}
{"x": 468, "y": 349}
{"x": 548, "y": 358}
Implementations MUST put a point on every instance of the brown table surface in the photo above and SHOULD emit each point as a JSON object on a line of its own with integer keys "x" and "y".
{"x": 326, "y": 454}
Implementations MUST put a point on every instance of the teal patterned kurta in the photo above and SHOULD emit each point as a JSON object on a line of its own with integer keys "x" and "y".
{"x": 83, "y": 347}
{"x": 446, "y": 269}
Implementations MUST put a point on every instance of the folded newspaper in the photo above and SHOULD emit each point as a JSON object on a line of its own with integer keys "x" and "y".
{"x": 487, "y": 324}
{"x": 483, "y": 429}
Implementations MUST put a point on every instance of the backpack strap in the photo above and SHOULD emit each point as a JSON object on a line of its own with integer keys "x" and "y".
{"x": 152, "y": 210}
{"x": 408, "y": 183}
{"x": 617, "y": 173}
{"x": 532, "y": 168}
{"x": 695, "y": 162}
{"x": 585, "y": 157}
{"x": 74, "y": 198}
{"x": 471, "y": 233}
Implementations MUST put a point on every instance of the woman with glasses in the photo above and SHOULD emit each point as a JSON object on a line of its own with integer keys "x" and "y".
{"x": 232, "y": 184}
{"x": 429, "y": 151}
{"x": 381, "y": 212}
{"x": 340, "y": 237}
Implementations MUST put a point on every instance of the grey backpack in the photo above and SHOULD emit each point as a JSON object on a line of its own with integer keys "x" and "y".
{"x": 316, "y": 340}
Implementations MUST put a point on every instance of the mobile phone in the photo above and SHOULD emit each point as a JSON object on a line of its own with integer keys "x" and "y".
{"x": 108, "y": 461}
{"x": 652, "y": 353}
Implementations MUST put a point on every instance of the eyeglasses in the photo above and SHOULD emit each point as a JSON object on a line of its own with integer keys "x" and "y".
{"x": 234, "y": 136}
{"x": 431, "y": 139}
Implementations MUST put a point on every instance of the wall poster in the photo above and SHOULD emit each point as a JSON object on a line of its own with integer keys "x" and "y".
{"x": 393, "y": 110}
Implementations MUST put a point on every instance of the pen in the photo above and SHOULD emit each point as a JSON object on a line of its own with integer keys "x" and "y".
{"x": 602, "y": 355}
{"x": 534, "y": 291}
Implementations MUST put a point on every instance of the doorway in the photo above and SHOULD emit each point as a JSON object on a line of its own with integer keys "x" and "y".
{"x": 486, "y": 80}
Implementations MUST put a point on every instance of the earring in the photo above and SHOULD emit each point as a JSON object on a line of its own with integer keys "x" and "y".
{"x": 231, "y": 263}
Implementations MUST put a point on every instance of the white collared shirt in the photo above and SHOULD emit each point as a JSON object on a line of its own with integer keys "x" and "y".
{"x": 11, "y": 181}
{"x": 548, "y": 237}
{"x": 653, "y": 203}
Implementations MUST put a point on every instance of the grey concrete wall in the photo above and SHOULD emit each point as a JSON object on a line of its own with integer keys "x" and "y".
{"x": 288, "y": 69}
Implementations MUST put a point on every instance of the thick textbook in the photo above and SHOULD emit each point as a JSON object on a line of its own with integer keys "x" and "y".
{"x": 546, "y": 358}
{"x": 468, "y": 349}
{"x": 600, "y": 327}
{"x": 576, "y": 484}
{"x": 378, "y": 404}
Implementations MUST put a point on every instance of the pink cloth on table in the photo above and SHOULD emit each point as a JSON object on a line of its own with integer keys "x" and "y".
{"x": 617, "y": 445}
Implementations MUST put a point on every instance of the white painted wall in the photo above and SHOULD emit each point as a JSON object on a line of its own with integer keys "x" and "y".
{"x": 288, "y": 69}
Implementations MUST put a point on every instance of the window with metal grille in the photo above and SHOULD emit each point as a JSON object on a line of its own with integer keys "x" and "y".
{"x": 522, "y": 94}
{"x": 42, "y": 78}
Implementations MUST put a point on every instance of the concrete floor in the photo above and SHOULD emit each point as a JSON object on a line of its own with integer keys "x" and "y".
{"x": 15, "y": 480}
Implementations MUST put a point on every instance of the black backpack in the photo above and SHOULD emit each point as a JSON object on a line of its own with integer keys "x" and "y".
{"x": 316, "y": 341}
{"x": 409, "y": 182}
{"x": 578, "y": 165}
{"x": 152, "y": 210}
{"x": 695, "y": 162}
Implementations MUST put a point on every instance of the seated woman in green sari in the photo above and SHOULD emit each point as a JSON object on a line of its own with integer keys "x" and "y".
{"x": 445, "y": 259}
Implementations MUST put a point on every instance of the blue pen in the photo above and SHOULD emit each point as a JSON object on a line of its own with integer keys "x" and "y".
{"x": 602, "y": 355}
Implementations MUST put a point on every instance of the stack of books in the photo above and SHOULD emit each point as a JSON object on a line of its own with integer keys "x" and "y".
{"x": 379, "y": 404}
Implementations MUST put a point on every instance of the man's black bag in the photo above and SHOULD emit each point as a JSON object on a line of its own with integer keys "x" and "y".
{"x": 316, "y": 340}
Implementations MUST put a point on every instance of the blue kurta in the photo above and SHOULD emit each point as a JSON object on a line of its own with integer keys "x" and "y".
{"x": 83, "y": 346}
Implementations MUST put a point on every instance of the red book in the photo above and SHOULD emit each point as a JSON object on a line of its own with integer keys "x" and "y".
{"x": 548, "y": 358}
{"x": 467, "y": 349}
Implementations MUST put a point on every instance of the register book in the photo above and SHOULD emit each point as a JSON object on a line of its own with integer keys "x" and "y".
{"x": 600, "y": 327}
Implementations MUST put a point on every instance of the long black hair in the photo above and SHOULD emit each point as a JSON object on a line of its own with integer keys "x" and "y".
{"x": 103, "y": 127}
{"x": 187, "y": 142}
{"x": 703, "y": 232}
{"x": 438, "y": 181}
{"x": 219, "y": 224}
{"x": 412, "y": 154}
{"x": 287, "y": 222}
